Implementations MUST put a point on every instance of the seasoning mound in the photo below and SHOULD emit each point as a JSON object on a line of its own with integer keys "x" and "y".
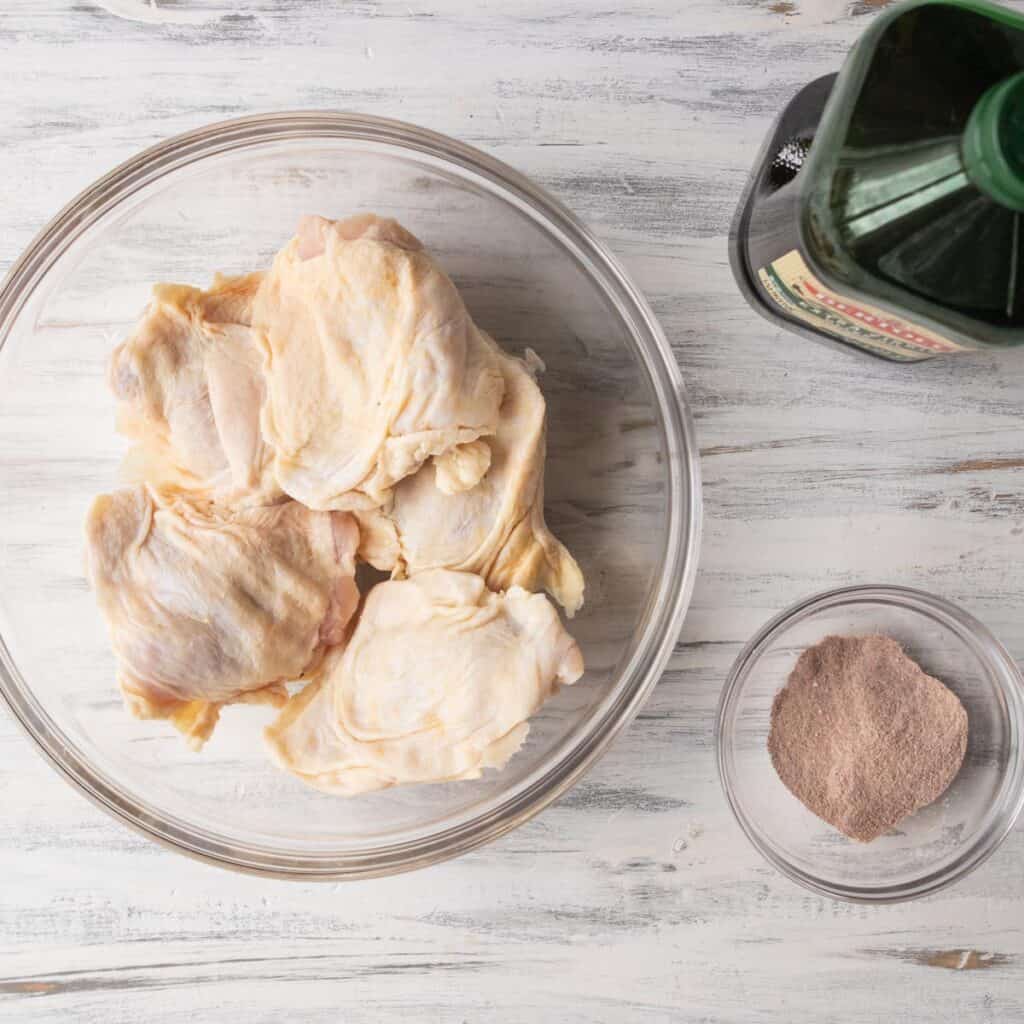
{"x": 863, "y": 737}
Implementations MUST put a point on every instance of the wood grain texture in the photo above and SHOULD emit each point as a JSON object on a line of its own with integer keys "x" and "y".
{"x": 636, "y": 898}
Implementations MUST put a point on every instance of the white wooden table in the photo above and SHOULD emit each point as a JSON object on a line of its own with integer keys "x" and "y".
{"x": 636, "y": 898}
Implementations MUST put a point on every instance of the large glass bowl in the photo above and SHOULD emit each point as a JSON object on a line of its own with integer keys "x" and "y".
{"x": 622, "y": 481}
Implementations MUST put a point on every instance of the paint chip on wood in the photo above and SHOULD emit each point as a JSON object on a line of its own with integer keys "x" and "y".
{"x": 31, "y": 988}
{"x": 982, "y": 465}
{"x": 961, "y": 959}
{"x": 948, "y": 959}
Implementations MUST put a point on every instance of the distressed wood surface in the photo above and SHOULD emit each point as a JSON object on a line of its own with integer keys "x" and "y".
{"x": 636, "y": 898}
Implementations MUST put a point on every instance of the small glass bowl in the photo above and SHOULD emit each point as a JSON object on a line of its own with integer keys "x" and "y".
{"x": 940, "y": 843}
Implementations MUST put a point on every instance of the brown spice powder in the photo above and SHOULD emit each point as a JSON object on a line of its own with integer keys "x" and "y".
{"x": 863, "y": 736}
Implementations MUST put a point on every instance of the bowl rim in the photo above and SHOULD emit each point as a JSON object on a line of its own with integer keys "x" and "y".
{"x": 665, "y": 607}
{"x": 1006, "y": 806}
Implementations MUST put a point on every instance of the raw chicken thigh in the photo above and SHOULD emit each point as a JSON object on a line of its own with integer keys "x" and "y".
{"x": 497, "y": 528}
{"x": 342, "y": 402}
{"x": 373, "y": 364}
{"x": 189, "y": 383}
{"x": 209, "y": 606}
{"x": 435, "y": 684}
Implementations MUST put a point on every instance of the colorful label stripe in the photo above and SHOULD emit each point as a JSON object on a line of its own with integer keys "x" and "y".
{"x": 796, "y": 290}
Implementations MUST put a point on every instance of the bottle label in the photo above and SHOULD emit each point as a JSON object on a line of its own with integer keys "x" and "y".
{"x": 793, "y": 287}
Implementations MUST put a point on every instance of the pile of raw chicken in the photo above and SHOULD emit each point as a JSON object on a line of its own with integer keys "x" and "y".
{"x": 341, "y": 407}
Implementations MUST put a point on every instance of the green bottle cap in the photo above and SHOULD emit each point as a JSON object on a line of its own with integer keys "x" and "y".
{"x": 993, "y": 143}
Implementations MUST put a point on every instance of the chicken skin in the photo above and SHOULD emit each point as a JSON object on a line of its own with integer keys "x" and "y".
{"x": 342, "y": 404}
{"x": 435, "y": 684}
{"x": 190, "y": 389}
{"x": 496, "y": 528}
{"x": 208, "y": 606}
{"x": 373, "y": 364}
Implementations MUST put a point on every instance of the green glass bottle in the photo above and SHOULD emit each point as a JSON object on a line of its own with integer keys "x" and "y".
{"x": 885, "y": 212}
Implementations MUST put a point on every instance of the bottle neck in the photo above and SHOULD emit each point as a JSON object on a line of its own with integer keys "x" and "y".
{"x": 993, "y": 143}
